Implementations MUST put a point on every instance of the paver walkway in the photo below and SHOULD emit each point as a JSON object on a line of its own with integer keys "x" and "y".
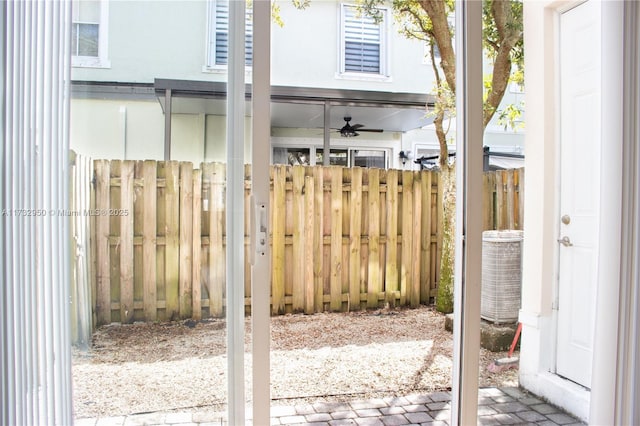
{"x": 496, "y": 406}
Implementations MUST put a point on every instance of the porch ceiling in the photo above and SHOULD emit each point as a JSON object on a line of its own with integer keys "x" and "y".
{"x": 296, "y": 107}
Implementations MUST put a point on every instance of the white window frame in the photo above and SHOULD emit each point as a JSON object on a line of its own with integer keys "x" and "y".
{"x": 384, "y": 73}
{"x": 102, "y": 60}
{"x": 210, "y": 65}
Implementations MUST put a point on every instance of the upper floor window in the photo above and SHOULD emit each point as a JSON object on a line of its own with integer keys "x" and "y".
{"x": 89, "y": 33}
{"x": 363, "y": 47}
{"x": 218, "y": 37}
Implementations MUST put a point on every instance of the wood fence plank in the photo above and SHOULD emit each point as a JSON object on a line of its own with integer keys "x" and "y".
{"x": 511, "y": 199}
{"x": 488, "y": 186}
{"x": 425, "y": 237}
{"x": 318, "y": 240}
{"x": 126, "y": 241}
{"x": 336, "y": 239}
{"x": 406, "y": 271}
{"x": 161, "y": 230}
{"x": 521, "y": 198}
{"x": 439, "y": 226}
{"x": 149, "y": 196}
{"x": 308, "y": 224}
{"x": 278, "y": 243}
{"x": 500, "y": 201}
{"x": 103, "y": 261}
{"x": 81, "y": 173}
{"x": 185, "y": 297}
{"x": 172, "y": 246}
{"x": 414, "y": 299}
{"x": 75, "y": 279}
{"x": 114, "y": 238}
{"x": 355, "y": 240}
{"x": 196, "y": 267}
{"x": 373, "y": 270}
{"x": 217, "y": 252}
{"x": 328, "y": 239}
{"x": 138, "y": 222}
{"x": 297, "y": 175}
{"x": 391, "y": 268}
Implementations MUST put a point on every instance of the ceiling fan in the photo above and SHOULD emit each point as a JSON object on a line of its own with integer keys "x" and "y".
{"x": 349, "y": 131}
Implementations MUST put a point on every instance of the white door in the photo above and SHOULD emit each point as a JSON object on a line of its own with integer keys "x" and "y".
{"x": 578, "y": 221}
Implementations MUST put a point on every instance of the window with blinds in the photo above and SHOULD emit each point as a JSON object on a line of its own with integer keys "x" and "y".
{"x": 219, "y": 34}
{"x": 363, "y": 46}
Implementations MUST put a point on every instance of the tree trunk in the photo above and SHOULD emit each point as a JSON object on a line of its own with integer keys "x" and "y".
{"x": 444, "y": 298}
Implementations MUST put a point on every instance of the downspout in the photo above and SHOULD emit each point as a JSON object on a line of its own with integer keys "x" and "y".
{"x": 167, "y": 125}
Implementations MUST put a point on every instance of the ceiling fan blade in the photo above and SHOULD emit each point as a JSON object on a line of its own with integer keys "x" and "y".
{"x": 371, "y": 130}
{"x": 357, "y": 126}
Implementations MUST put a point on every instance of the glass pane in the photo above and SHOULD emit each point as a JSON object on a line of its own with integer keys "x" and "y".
{"x": 337, "y": 157}
{"x": 164, "y": 281}
{"x": 86, "y": 39}
{"x": 364, "y": 158}
{"x": 291, "y": 156}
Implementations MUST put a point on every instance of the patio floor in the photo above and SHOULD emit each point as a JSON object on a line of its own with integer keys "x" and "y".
{"x": 496, "y": 406}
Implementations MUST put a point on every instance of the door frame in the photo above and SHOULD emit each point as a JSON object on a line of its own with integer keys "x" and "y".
{"x": 560, "y": 312}
{"x": 540, "y": 251}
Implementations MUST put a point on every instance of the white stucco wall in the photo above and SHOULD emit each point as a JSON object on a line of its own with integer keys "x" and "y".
{"x": 168, "y": 39}
{"x": 134, "y": 130}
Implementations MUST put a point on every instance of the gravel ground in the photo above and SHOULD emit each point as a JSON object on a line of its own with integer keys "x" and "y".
{"x": 323, "y": 357}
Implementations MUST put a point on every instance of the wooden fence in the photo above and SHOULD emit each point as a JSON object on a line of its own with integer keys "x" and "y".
{"x": 341, "y": 238}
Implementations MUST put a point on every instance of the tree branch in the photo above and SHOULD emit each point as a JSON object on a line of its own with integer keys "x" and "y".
{"x": 437, "y": 12}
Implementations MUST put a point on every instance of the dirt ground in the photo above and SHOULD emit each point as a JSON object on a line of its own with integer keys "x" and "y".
{"x": 182, "y": 365}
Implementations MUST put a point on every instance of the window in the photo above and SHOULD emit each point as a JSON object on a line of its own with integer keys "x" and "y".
{"x": 369, "y": 158}
{"x": 337, "y": 157}
{"x": 218, "y": 44}
{"x": 363, "y": 47}
{"x": 292, "y": 156}
{"x": 89, "y": 33}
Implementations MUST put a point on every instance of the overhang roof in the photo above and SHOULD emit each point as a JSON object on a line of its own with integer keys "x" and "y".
{"x": 291, "y": 107}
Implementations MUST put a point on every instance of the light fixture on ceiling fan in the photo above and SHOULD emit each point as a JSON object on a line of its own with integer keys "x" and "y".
{"x": 349, "y": 131}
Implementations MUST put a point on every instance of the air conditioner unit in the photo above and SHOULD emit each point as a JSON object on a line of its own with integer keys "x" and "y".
{"x": 501, "y": 275}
